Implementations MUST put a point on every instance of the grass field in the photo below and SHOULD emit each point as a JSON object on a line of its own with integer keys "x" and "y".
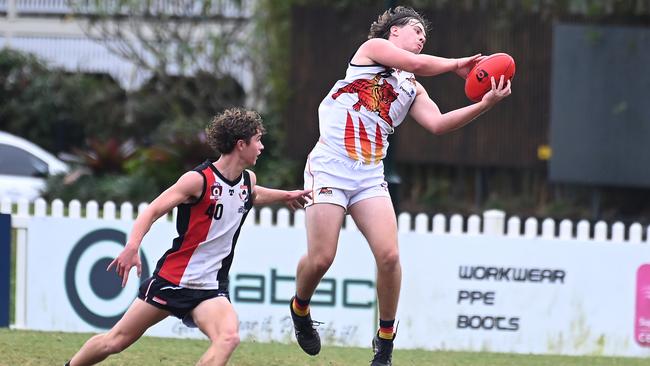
{"x": 28, "y": 348}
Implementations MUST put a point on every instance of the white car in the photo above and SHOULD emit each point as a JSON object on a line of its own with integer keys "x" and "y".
{"x": 24, "y": 167}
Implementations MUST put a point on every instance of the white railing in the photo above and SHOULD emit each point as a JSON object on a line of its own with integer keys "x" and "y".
{"x": 492, "y": 222}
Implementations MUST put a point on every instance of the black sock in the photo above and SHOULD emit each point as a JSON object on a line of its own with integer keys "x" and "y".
{"x": 301, "y": 302}
{"x": 300, "y": 307}
{"x": 386, "y": 329}
{"x": 67, "y": 363}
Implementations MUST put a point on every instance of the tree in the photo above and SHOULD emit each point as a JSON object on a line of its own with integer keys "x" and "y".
{"x": 171, "y": 40}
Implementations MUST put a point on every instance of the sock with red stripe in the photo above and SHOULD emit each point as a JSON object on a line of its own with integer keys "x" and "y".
{"x": 300, "y": 307}
{"x": 386, "y": 329}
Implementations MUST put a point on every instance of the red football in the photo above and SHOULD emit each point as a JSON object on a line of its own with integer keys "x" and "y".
{"x": 478, "y": 80}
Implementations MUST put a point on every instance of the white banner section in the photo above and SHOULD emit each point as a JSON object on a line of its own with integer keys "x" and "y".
{"x": 68, "y": 288}
{"x": 459, "y": 292}
{"x": 520, "y": 295}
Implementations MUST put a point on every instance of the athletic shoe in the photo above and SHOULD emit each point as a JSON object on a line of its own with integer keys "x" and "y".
{"x": 383, "y": 349}
{"x": 306, "y": 333}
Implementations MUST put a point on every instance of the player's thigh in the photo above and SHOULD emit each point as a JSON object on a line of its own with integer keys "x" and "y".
{"x": 138, "y": 318}
{"x": 375, "y": 218}
{"x": 216, "y": 317}
{"x": 323, "y": 222}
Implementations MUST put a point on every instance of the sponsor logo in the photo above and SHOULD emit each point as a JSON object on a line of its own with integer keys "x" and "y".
{"x": 253, "y": 288}
{"x": 481, "y": 74}
{"x": 104, "y": 286}
{"x": 159, "y": 300}
{"x": 231, "y": 192}
{"x": 410, "y": 92}
{"x": 497, "y": 322}
{"x": 325, "y": 192}
{"x": 510, "y": 274}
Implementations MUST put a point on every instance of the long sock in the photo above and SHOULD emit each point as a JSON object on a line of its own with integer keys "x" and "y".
{"x": 67, "y": 363}
{"x": 300, "y": 306}
{"x": 386, "y": 329}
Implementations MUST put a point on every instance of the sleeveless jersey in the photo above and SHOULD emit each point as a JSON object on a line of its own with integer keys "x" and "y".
{"x": 208, "y": 229}
{"x": 360, "y": 111}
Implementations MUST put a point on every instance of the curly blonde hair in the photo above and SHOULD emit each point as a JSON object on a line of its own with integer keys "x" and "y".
{"x": 399, "y": 16}
{"x": 232, "y": 125}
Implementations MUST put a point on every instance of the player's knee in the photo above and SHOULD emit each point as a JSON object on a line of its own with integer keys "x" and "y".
{"x": 388, "y": 260}
{"x": 230, "y": 340}
{"x": 322, "y": 263}
{"x": 116, "y": 343}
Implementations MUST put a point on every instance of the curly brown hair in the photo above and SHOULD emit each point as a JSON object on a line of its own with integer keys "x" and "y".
{"x": 399, "y": 16}
{"x": 232, "y": 125}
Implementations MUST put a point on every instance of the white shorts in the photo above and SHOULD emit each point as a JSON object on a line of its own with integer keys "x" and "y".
{"x": 340, "y": 180}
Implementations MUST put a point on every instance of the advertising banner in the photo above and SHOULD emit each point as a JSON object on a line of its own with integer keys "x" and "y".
{"x": 459, "y": 292}
{"x": 524, "y": 295}
{"x": 68, "y": 288}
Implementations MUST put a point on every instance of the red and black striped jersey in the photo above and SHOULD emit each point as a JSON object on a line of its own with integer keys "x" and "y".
{"x": 201, "y": 255}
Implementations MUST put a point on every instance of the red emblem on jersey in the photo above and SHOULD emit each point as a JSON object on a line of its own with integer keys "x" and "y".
{"x": 373, "y": 95}
{"x": 244, "y": 192}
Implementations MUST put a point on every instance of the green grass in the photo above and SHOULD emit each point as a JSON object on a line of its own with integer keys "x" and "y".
{"x": 29, "y": 348}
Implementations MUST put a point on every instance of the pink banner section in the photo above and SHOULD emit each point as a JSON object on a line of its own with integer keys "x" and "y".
{"x": 642, "y": 319}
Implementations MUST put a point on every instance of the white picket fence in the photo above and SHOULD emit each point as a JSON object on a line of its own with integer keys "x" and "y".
{"x": 492, "y": 223}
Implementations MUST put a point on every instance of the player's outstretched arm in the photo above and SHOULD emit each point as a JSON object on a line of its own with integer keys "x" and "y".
{"x": 188, "y": 186}
{"x": 264, "y": 196}
{"x": 384, "y": 52}
{"x": 427, "y": 113}
{"x": 293, "y": 199}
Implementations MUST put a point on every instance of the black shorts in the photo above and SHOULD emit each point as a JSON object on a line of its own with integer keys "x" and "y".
{"x": 179, "y": 301}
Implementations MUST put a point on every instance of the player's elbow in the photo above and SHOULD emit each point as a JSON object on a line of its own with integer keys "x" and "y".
{"x": 436, "y": 128}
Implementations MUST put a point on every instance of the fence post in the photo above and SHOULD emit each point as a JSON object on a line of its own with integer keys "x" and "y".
{"x": 5, "y": 264}
{"x": 494, "y": 222}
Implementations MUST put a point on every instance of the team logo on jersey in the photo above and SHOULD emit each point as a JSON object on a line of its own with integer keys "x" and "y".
{"x": 231, "y": 192}
{"x": 325, "y": 192}
{"x": 243, "y": 194}
{"x": 374, "y": 96}
{"x": 215, "y": 191}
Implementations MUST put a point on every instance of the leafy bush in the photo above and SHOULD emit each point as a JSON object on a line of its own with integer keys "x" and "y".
{"x": 55, "y": 109}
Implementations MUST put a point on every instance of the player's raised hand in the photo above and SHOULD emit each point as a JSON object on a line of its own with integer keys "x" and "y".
{"x": 128, "y": 258}
{"x": 499, "y": 91}
{"x": 465, "y": 64}
{"x": 298, "y": 198}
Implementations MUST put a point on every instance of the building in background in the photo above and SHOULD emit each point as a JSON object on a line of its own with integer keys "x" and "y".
{"x": 65, "y": 36}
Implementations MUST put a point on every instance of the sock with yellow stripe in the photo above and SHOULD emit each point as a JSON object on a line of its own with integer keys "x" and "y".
{"x": 386, "y": 329}
{"x": 300, "y": 307}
